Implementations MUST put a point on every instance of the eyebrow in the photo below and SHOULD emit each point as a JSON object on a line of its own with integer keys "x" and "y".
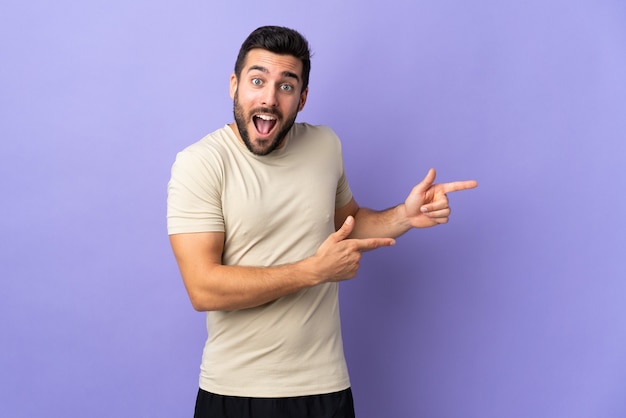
{"x": 288, "y": 74}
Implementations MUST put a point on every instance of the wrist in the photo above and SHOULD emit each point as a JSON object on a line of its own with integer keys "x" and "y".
{"x": 401, "y": 218}
{"x": 307, "y": 271}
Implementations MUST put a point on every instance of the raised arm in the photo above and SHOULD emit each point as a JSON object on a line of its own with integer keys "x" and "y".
{"x": 214, "y": 286}
{"x": 426, "y": 205}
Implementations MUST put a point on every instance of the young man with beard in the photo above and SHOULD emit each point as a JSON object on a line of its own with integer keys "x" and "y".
{"x": 264, "y": 226}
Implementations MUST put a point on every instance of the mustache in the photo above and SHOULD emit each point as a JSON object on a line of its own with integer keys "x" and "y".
{"x": 267, "y": 111}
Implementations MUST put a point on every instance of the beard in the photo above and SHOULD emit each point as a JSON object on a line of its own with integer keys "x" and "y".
{"x": 261, "y": 146}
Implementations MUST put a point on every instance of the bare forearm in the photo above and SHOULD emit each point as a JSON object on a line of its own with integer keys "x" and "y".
{"x": 426, "y": 206}
{"x": 389, "y": 223}
{"x": 236, "y": 287}
{"x": 214, "y": 286}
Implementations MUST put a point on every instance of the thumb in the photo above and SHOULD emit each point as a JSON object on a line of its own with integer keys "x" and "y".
{"x": 345, "y": 230}
{"x": 428, "y": 180}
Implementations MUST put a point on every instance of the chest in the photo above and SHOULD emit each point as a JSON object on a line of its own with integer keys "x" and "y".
{"x": 284, "y": 204}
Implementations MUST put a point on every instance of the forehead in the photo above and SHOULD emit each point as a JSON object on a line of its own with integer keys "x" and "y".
{"x": 273, "y": 63}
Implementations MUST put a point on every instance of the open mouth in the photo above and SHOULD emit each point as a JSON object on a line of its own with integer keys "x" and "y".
{"x": 264, "y": 123}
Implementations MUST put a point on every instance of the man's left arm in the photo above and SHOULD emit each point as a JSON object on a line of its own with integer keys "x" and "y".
{"x": 426, "y": 205}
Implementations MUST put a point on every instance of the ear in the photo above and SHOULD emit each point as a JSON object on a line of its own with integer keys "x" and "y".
{"x": 233, "y": 86}
{"x": 303, "y": 97}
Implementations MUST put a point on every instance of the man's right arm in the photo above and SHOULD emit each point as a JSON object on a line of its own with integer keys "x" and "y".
{"x": 214, "y": 286}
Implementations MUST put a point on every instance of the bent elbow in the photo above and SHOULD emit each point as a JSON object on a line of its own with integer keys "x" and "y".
{"x": 198, "y": 302}
{"x": 198, "y": 306}
{"x": 204, "y": 303}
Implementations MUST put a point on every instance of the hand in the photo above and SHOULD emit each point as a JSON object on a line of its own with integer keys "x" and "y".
{"x": 338, "y": 257}
{"x": 427, "y": 204}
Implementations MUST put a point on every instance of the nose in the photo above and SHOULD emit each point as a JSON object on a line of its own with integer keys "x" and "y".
{"x": 269, "y": 97}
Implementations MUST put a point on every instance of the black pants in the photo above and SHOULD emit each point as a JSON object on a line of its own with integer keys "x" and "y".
{"x": 330, "y": 405}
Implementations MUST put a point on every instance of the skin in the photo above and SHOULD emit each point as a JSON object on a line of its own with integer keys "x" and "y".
{"x": 271, "y": 85}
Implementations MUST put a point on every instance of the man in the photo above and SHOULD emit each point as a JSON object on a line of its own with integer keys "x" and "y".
{"x": 263, "y": 226}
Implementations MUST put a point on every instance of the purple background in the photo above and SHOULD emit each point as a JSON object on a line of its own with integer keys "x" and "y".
{"x": 516, "y": 308}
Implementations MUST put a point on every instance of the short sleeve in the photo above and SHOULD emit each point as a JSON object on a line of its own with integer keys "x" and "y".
{"x": 344, "y": 194}
{"x": 194, "y": 192}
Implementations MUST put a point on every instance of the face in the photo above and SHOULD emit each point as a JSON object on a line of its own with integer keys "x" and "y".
{"x": 267, "y": 98}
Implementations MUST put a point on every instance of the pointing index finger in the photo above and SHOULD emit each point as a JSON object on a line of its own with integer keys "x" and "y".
{"x": 368, "y": 244}
{"x": 455, "y": 186}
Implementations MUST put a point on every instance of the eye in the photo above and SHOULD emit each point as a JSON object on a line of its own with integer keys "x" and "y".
{"x": 257, "y": 81}
{"x": 286, "y": 87}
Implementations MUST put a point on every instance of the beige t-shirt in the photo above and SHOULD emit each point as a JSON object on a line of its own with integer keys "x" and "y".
{"x": 274, "y": 210}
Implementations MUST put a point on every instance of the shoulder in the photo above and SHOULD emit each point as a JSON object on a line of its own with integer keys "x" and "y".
{"x": 322, "y": 132}
{"x": 320, "y": 137}
{"x": 212, "y": 144}
{"x": 209, "y": 153}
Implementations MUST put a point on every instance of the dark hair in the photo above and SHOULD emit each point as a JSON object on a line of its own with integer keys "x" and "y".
{"x": 279, "y": 40}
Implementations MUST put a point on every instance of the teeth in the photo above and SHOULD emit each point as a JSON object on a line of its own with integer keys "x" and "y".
{"x": 266, "y": 117}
